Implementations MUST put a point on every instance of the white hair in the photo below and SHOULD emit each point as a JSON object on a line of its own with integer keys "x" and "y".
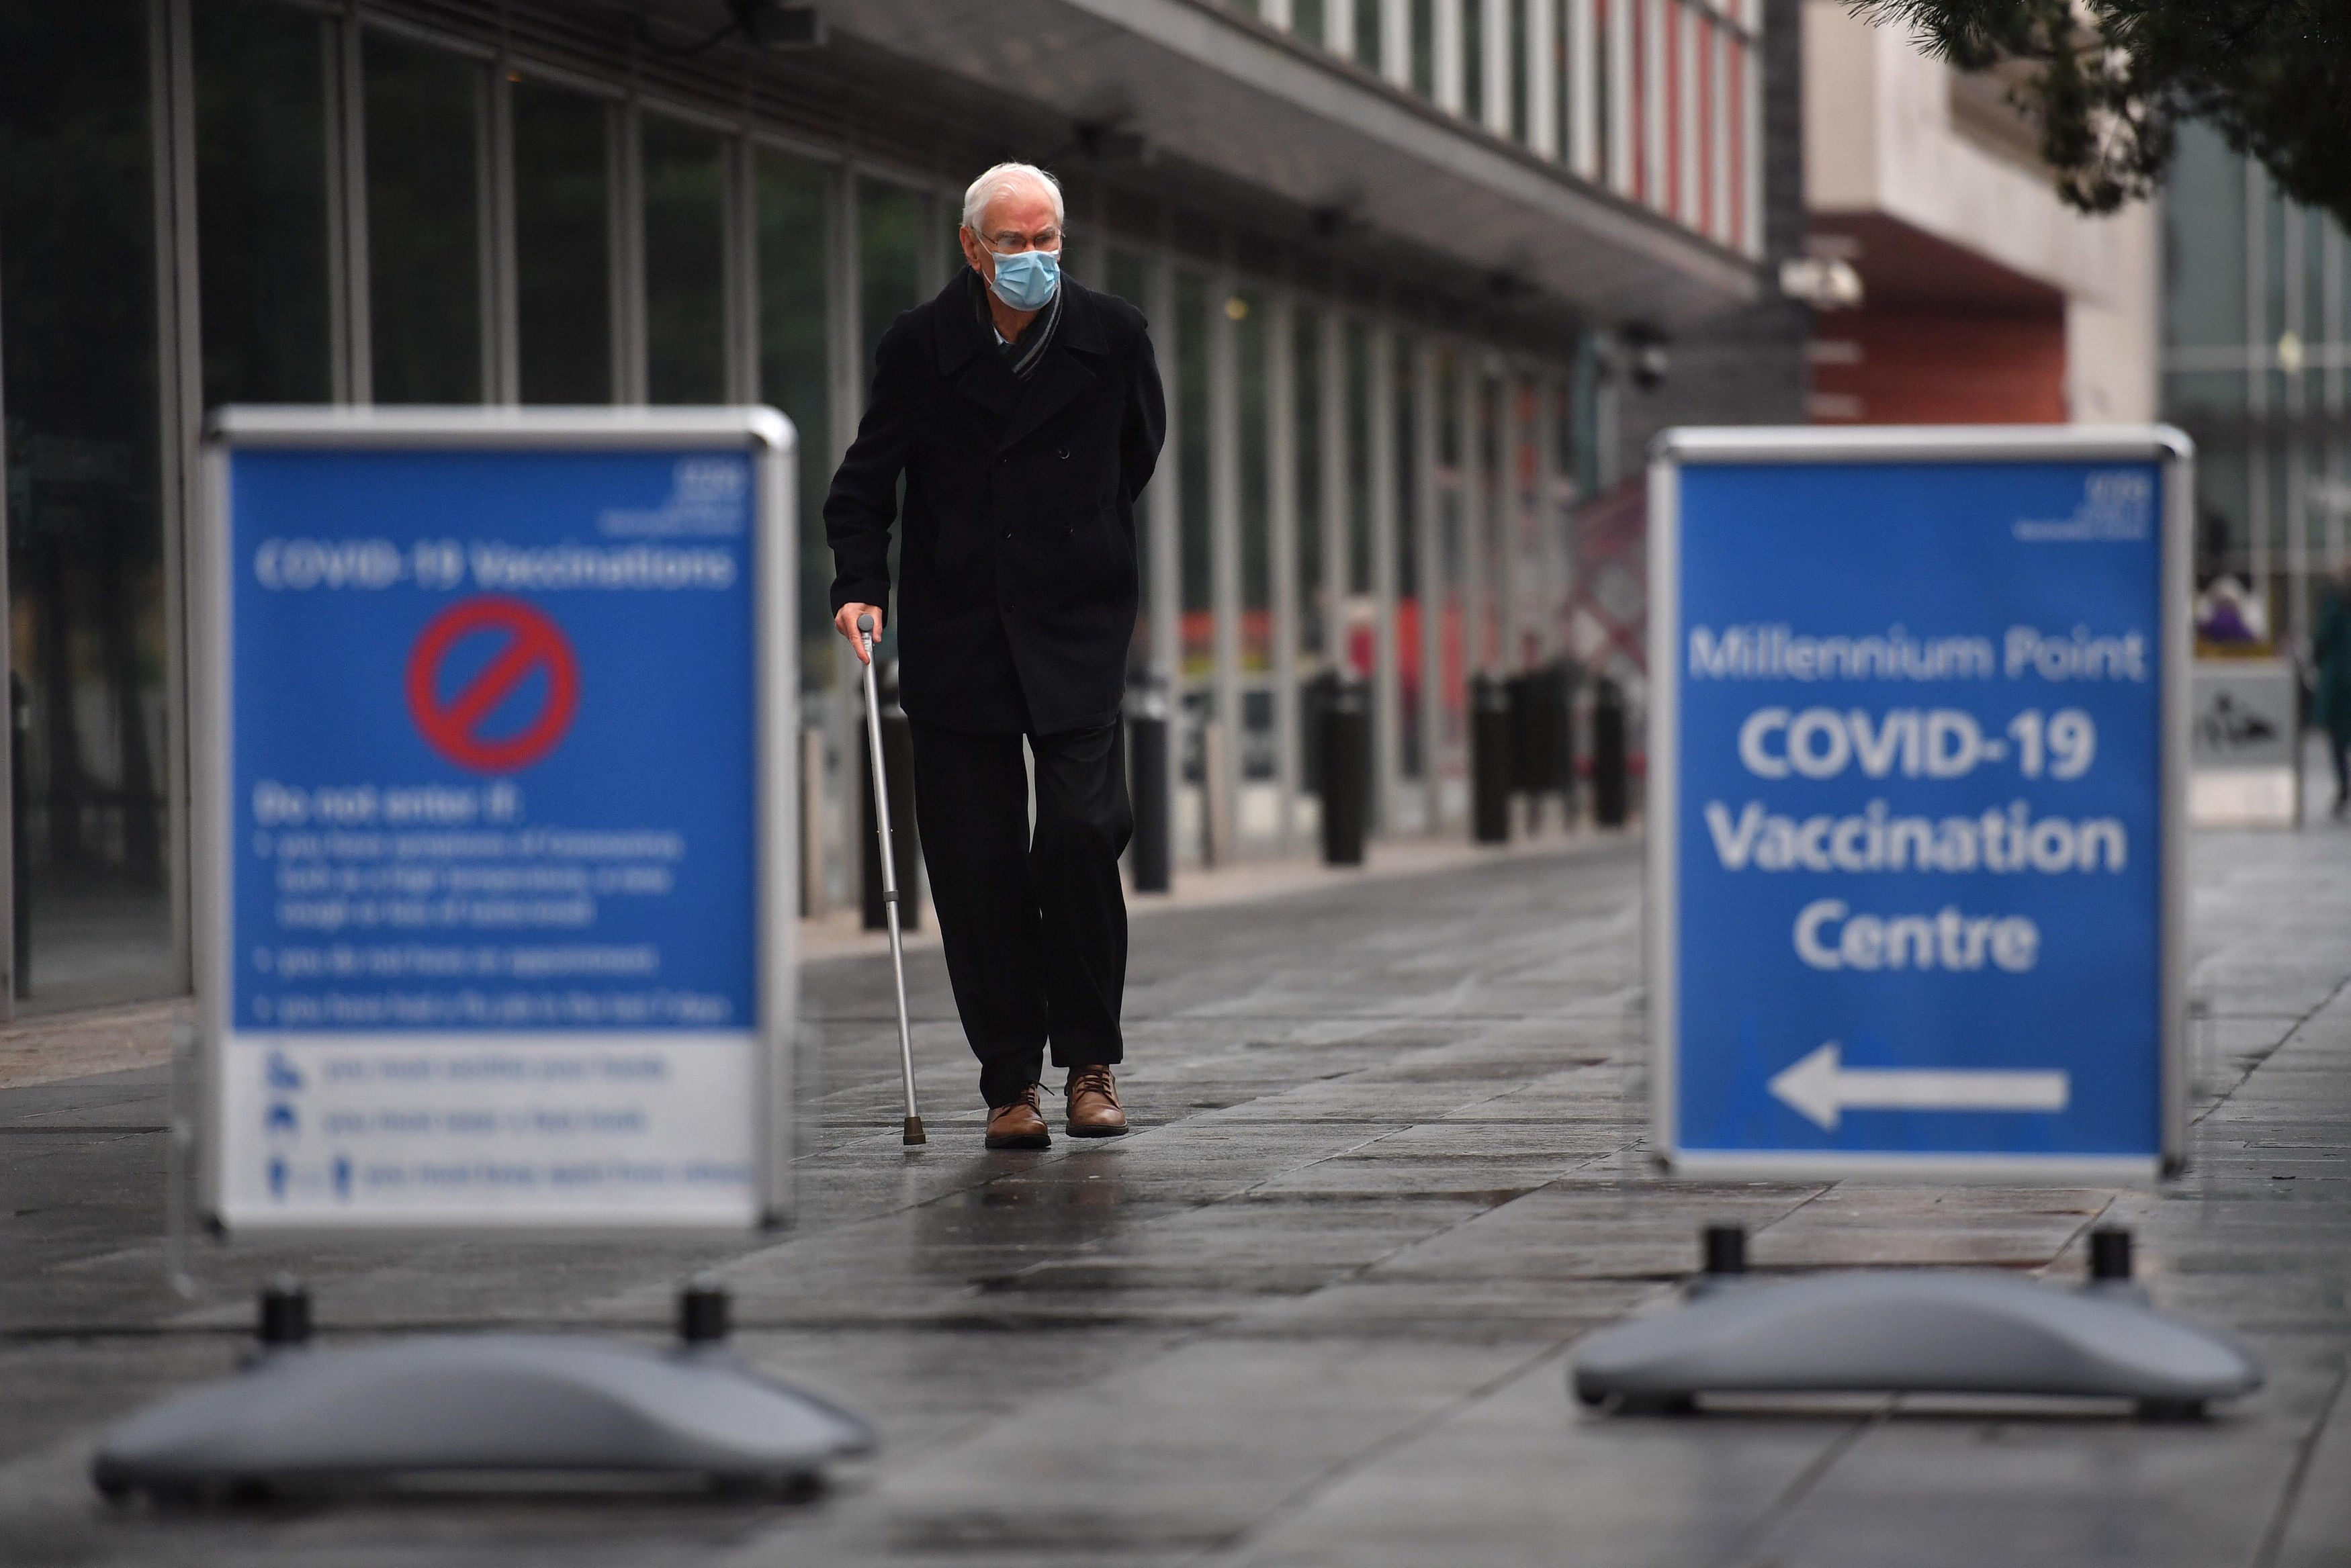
{"x": 995, "y": 181}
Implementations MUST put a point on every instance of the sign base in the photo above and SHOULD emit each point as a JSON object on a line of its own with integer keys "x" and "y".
{"x": 1922, "y": 1332}
{"x": 477, "y": 1408}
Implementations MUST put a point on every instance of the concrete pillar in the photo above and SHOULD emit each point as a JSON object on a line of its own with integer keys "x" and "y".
{"x": 1447, "y": 64}
{"x": 1431, "y": 589}
{"x": 1164, "y": 520}
{"x": 1542, "y": 79}
{"x": 1395, "y": 42}
{"x": 1494, "y": 30}
{"x": 1621, "y": 18}
{"x": 2257, "y": 384}
{"x": 1282, "y": 541}
{"x": 2294, "y": 625}
{"x": 1551, "y": 519}
{"x": 1386, "y": 690}
{"x": 1339, "y": 28}
{"x": 1333, "y": 404}
{"x": 1583, "y": 130}
{"x": 1469, "y": 389}
{"x": 1513, "y": 594}
{"x": 1224, "y": 557}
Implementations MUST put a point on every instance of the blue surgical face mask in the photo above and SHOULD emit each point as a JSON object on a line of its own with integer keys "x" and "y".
{"x": 1025, "y": 280}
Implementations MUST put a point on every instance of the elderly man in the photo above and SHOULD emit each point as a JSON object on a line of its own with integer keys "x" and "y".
{"x": 1024, "y": 414}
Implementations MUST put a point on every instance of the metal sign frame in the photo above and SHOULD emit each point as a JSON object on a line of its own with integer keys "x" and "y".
{"x": 2174, "y": 453}
{"x": 771, "y": 442}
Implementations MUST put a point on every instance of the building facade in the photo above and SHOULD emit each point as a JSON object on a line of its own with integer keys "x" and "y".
{"x": 2256, "y": 353}
{"x": 1984, "y": 299}
{"x": 1390, "y": 250}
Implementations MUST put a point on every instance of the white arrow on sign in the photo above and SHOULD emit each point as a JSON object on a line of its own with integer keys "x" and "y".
{"x": 1822, "y": 1089}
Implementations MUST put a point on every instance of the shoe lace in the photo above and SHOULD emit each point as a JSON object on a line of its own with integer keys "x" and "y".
{"x": 1098, "y": 1079}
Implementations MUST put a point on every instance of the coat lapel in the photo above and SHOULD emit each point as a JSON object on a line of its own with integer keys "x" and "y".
{"x": 967, "y": 355}
{"x": 1066, "y": 373}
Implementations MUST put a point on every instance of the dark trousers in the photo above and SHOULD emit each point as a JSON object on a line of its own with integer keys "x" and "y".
{"x": 1034, "y": 924}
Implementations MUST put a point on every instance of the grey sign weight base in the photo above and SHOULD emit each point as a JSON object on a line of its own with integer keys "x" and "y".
{"x": 1914, "y": 1333}
{"x": 479, "y": 1404}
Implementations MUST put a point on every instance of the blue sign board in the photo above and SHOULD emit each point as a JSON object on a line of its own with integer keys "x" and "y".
{"x": 1915, "y": 798}
{"x": 494, "y": 834}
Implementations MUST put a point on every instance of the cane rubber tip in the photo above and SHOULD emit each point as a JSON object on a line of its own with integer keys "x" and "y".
{"x": 915, "y": 1131}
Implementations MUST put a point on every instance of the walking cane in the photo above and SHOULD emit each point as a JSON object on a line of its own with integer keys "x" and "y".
{"x": 889, "y": 875}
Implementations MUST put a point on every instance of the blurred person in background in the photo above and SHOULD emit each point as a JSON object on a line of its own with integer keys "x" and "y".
{"x": 2331, "y": 704}
{"x": 1024, "y": 414}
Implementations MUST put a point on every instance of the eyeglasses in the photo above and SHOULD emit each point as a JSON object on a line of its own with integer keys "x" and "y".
{"x": 1007, "y": 242}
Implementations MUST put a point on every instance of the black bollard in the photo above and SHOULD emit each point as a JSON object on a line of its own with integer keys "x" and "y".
{"x": 285, "y": 1317}
{"x": 1489, "y": 760}
{"x": 2110, "y": 1254}
{"x": 1542, "y": 757}
{"x": 906, "y": 840}
{"x": 702, "y": 1313}
{"x": 1726, "y": 1249}
{"x": 1346, "y": 773}
{"x": 1147, "y": 756}
{"x": 1315, "y": 695}
{"x": 1564, "y": 675}
{"x": 1608, "y": 760}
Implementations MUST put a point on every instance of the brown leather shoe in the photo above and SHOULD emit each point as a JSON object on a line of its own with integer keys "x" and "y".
{"x": 1021, "y": 1124}
{"x": 1094, "y": 1103}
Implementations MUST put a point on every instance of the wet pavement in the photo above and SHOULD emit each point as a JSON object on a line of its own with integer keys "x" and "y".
{"x": 1316, "y": 1309}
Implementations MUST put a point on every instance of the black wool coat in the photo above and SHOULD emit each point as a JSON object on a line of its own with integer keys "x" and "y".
{"x": 1017, "y": 572}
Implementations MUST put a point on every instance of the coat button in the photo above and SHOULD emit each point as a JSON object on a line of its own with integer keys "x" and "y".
{"x": 1007, "y": 532}
{"x": 1064, "y": 454}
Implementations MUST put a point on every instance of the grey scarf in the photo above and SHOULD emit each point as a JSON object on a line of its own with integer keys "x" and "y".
{"x": 1022, "y": 357}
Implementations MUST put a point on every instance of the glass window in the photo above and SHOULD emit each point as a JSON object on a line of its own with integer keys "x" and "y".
{"x": 1486, "y": 525}
{"x": 563, "y": 229}
{"x": 424, "y": 219}
{"x": 1247, "y": 308}
{"x": 1453, "y": 549}
{"x": 2277, "y": 260}
{"x": 2313, "y": 283}
{"x": 1128, "y": 276}
{"x": 83, "y": 505}
{"x": 1473, "y": 59}
{"x": 1602, "y": 123}
{"x": 949, "y": 226}
{"x": 1424, "y": 47}
{"x": 1190, "y": 393}
{"x": 2224, "y": 509}
{"x": 261, "y": 201}
{"x": 1584, "y": 418}
{"x": 1306, "y": 17}
{"x": 1518, "y": 87}
{"x": 1306, "y": 349}
{"x": 1356, "y": 359}
{"x": 889, "y": 250}
{"x": 794, "y": 246}
{"x": 1368, "y": 35}
{"x": 1562, "y": 78}
{"x": 1125, "y": 275}
{"x": 685, "y": 263}
{"x": 1409, "y": 596}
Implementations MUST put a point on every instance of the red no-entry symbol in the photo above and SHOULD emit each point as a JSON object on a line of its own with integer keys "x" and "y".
{"x": 533, "y": 644}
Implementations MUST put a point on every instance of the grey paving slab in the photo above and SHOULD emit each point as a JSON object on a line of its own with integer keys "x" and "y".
{"x": 1316, "y": 1310}
{"x": 1522, "y": 1479}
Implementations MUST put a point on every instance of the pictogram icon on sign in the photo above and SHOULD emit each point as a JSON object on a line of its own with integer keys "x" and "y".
{"x": 453, "y": 722}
